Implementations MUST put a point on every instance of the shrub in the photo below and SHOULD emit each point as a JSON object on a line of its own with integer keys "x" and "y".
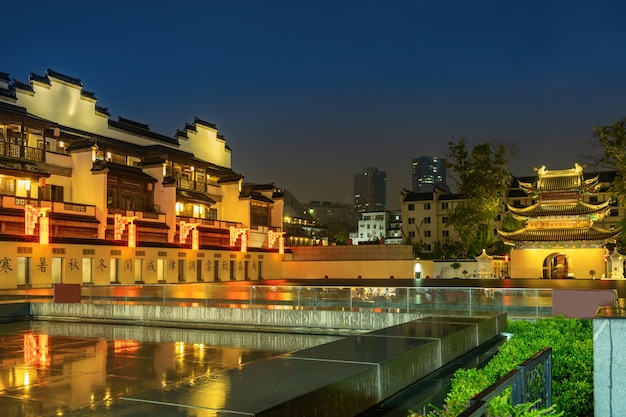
{"x": 572, "y": 370}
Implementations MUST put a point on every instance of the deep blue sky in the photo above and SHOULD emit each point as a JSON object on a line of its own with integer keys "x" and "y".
{"x": 308, "y": 93}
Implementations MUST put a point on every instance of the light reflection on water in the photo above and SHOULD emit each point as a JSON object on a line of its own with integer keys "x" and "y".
{"x": 54, "y": 368}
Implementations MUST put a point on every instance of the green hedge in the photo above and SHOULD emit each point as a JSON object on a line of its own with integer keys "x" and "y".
{"x": 572, "y": 369}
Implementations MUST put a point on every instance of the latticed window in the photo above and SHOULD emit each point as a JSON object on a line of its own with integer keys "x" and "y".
{"x": 7, "y": 186}
{"x": 127, "y": 194}
{"x": 260, "y": 214}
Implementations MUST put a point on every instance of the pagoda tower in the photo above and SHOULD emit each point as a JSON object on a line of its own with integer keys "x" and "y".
{"x": 559, "y": 238}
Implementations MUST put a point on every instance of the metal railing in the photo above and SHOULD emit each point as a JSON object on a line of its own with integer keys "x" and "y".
{"x": 530, "y": 382}
{"x": 516, "y": 302}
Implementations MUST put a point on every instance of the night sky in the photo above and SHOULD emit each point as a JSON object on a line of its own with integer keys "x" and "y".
{"x": 308, "y": 93}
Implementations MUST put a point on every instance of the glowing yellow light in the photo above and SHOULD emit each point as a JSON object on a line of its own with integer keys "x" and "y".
{"x": 44, "y": 230}
{"x": 132, "y": 235}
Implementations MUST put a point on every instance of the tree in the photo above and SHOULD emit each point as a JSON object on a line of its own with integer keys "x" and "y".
{"x": 482, "y": 177}
{"x": 612, "y": 141}
{"x": 456, "y": 267}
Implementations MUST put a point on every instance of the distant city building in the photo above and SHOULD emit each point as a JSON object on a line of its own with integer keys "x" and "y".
{"x": 301, "y": 229}
{"x": 425, "y": 218}
{"x": 339, "y": 219}
{"x": 429, "y": 172}
{"x": 370, "y": 190}
{"x": 394, "y": 228}
{"x": 372, "y": 228}
{"x": 379, "y": 228}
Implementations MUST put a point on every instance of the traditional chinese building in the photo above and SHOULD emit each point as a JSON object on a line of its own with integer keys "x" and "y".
{"x": 560, "y": 237}
{"x": 85, "y": 198}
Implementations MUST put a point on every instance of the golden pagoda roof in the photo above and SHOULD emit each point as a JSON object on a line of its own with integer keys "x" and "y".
{"x": 577, "y": 208}
{"x": 560, "y": 235}
{"x": 560, "y": 180}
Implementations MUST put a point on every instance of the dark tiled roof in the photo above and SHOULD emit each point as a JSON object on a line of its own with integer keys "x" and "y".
{"x": 204, "y": 123}
{"x": 23, "y": 86}
{"x": 72, "y": 217}
{"x": 253, "y": 195}
{"x": 448, "y": 197}
{"x": 418, "y": 197}
{"x": 103, "y": 110}
{"x": 560, "y": 235}
{"x": 21, "y": 166}
{"x": 39, "y": 78}
{"x": 141, "y": 129}
{"x": 71, "y": 80}
{"x": 194, "y": 196}
{"x": 7, "y": 93}
{"x": 577, "y": 209}
{"x": 150, "y": 225}
{"x": 123, "y": 170}
{"x": 88, "y": 94}
{"x": 4, "y": 76}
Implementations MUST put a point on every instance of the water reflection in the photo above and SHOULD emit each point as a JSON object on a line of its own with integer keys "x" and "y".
{"x": 54, "y": 368}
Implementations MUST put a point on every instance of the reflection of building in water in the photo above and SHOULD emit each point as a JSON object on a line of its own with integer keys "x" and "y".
{"x": 560, "y": 237}
{"x": 59, "y": 371}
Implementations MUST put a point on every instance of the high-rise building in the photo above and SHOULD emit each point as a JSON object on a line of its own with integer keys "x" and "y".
{"x": 370, "y": 190}
{"x": 429, "y": 172}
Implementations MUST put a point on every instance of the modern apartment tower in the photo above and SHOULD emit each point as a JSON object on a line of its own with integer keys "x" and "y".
{"x": 370, "y": 190}
{"x": 429, "y": 172}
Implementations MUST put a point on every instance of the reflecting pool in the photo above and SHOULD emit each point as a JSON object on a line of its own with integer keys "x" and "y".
{"x": 86, "y": 369}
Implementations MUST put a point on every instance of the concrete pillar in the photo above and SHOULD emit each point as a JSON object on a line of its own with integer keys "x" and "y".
{"x": 609, "y": 362}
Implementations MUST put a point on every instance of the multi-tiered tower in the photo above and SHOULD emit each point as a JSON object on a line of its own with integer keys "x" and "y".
{"x": 559, "y": 239}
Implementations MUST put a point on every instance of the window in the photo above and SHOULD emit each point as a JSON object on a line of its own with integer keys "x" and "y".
{"x": 86, "y": 272}
{"x": 426, "y": 206}
{"x": 411, "y": 220}
{"x": 260, "y": 214}
{"x": 57, "y": 270}
{"x": 444, "y": 206}
{"x": 216, "y": 270}
{"x": 182, "y": 271}
{"x": 367, "y": 218}
{"x": 233, "y": 277}
{"x": 412, "y": 235}
{"x": 427, "y": 248}
{"x": 23, "y": 270}
{"x": 114, "y": 270}
{"x": 445, "y": 233}
{"x": 161, "y": 270}
{"x": 411, "y": 207}
{"x": 138, "y": 270}
{"x": 427, "y": 220}
{"x": 444, "y": 220}
{"x": 53, "y": 193}
{"x": 127, "y": 194}
{"x": 426, "y": 233}
{"x": 593, "y": 199}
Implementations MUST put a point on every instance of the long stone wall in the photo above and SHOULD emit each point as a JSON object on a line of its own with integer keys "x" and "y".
{"x": 231, "y": 318}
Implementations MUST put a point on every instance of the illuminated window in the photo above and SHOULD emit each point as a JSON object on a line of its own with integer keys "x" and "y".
{"x": 57, "y": 270}
{"x": 86, "y": 271}
{"x": 161, "y": 270}
{"x": 23, "y": 270}
{"x": 114, "y": 270}
{"x": 138, "y": 270}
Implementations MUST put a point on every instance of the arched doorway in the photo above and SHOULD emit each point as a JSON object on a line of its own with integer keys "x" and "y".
{"x": 555, "y": 266}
